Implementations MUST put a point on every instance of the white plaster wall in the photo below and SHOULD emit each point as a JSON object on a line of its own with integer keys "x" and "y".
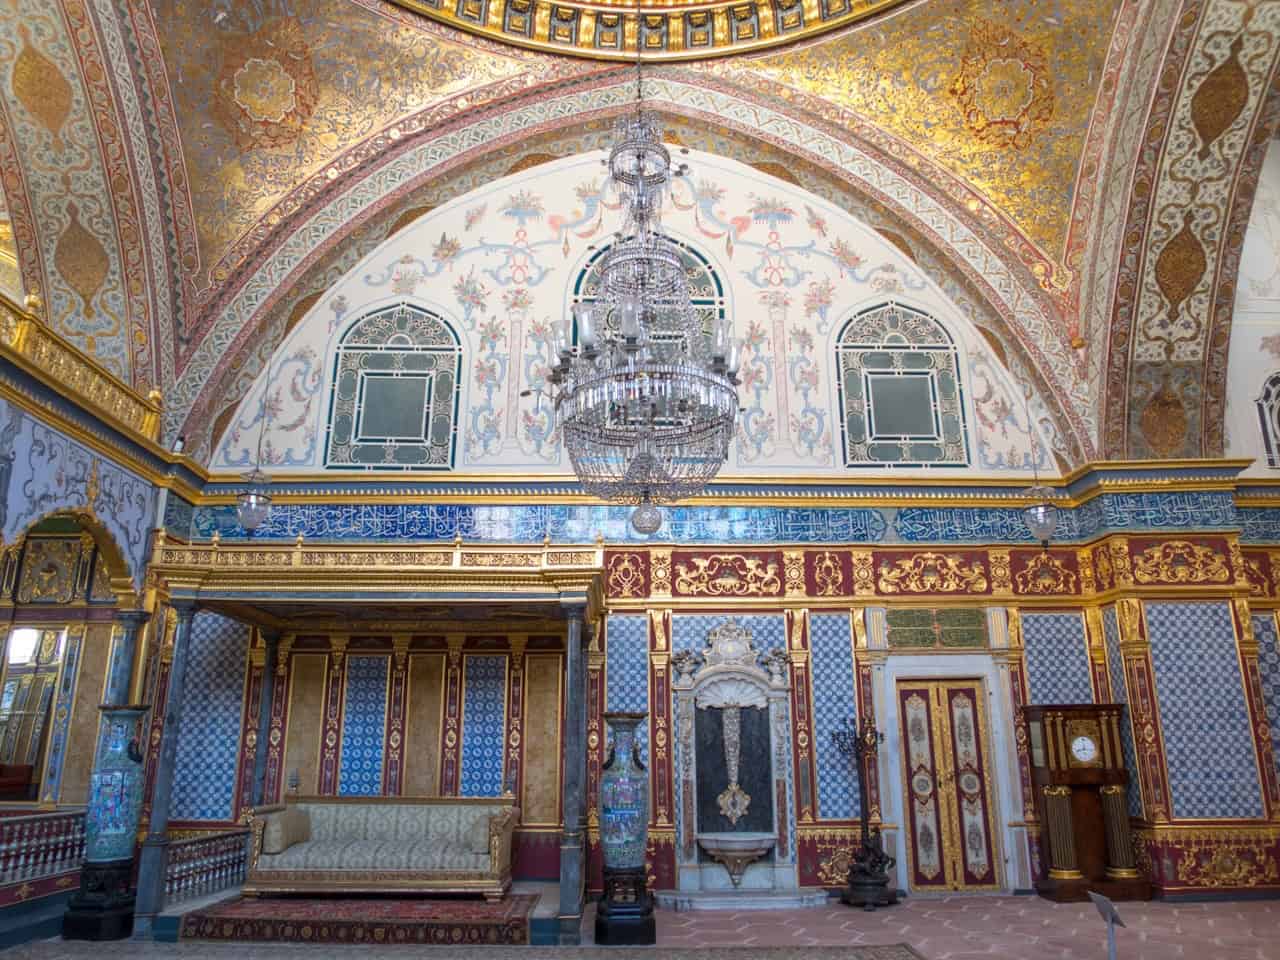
{"x": 1255, "y": 324}
{"x": 500, "y": 262}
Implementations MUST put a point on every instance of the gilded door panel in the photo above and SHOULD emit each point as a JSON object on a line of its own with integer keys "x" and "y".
{"x": 971, "y": 784}
{"x": 950, "y": 845}
{"x": 924, "y": 818}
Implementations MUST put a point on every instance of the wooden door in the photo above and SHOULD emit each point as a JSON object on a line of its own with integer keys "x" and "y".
{"x": 947, "y": 786}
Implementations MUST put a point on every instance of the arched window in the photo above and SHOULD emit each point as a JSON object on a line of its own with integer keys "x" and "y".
{"x": 1269, "y": 418}
{"x": 395, "y": 393}
{"x": 901, "y": 400}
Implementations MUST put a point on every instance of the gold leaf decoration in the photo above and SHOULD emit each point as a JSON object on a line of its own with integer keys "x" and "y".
{"x": 728, "y": 575}
{"x": 81, "y": 258}
{"x": 931, "y": 573}
{"x": 40, "y": 87}
{"x": 1179, "y": 561}
{"x": 1044, "y": 574}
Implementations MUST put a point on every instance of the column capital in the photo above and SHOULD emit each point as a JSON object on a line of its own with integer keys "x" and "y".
{"x": 132, "y": 618}
{"x": 184, "y": 606}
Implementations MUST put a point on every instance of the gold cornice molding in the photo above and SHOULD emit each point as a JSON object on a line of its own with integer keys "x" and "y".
{"x": 462, "y": 573}
{"x": 673, "y": 29}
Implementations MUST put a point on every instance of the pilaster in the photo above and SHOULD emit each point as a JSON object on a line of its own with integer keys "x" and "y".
{"x": 1264, "y": 748}
{"x": 1144, "y": 711}
{"x": 278, "y": 718}
{"x": 513, "y": 765}
{"x": 251, "y": 740}
{"x": 270, "y": 648}
{"x": 397, "y": 703}
{"x": 797, "y": 632}
{"x": 335, "y": 687}
{"x": 451, "y": 734}
{"x": 1097, "y": 642}
{"x": 662, "y": 852}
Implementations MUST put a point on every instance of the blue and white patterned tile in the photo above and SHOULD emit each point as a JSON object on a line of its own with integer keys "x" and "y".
{"x": 484, "y": 721}
{"x": 1208, "y": 740}
{"x": 834, "y": 699}
{"x": 1057, "y": 657}
{"x": 627, "y": 670}
{"x": 689, "y": 631}
{"x": 1264, "y": 630}
{"x": 1120, "y": 694}
{"x": 364, "y": 718}
{"x": 204, "y": 779}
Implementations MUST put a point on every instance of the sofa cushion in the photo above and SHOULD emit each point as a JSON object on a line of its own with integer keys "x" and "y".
{"x": 413, "y": 857}
{"x": 478, "y": 834}
{"x": 284, "y": 829}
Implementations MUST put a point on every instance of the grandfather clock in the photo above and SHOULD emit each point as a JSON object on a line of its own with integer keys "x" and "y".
{"x": 1078, "y": 773}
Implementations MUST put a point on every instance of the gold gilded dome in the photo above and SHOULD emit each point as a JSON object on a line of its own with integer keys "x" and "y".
{"x": 671, "y": 29}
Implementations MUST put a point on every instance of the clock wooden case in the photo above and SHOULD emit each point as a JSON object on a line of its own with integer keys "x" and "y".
{"x": 1078, "y": 773}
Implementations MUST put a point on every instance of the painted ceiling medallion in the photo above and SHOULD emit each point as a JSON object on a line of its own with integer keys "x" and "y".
{"x": 1004, "y": 86}
{"x": 672, "y": 30}
{"x": 266, "y": 89}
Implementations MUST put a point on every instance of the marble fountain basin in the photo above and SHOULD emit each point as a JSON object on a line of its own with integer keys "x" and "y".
{"x": 736, "y": 851}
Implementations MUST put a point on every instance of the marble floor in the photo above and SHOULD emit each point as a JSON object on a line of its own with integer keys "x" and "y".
{"x": 1010, "y": 928}
{"x": 949, "y": 928}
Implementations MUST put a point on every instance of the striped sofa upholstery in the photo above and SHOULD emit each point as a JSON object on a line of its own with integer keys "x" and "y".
{"x": 375, "y": 844}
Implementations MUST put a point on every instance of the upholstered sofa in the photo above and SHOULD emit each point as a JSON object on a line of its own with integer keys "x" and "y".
{"x": 382, "y": 844}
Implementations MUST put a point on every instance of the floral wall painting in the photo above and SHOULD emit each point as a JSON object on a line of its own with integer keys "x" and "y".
{"x": 499, "y": 265}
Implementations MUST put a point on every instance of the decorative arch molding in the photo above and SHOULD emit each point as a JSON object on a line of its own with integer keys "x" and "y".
{"x": 1217, "y": 104}
{"x": 118, "y": 572}
{"x": 1024, "y": 320}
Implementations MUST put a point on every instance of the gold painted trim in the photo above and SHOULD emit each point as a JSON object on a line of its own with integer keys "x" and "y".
{"x": 607, "y": 29}
{"x": 28, "y": 343}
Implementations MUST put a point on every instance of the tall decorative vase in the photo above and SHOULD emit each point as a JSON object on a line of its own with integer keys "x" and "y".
{"x": 625, "y": 914}
{"x": 102, "y": 909}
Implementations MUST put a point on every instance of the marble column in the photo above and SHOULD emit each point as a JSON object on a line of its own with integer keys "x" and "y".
{"x": 271, "y": 643}
{"x": 102, "y": 909}
{"x": 574, "y": 742}
{"x": 155, "y": 848}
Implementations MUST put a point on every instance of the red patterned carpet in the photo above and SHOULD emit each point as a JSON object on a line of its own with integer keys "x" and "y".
{"x": 376, "y": 921}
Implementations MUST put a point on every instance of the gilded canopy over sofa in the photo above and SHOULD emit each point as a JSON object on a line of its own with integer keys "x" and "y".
{"x": 376, "y": 844}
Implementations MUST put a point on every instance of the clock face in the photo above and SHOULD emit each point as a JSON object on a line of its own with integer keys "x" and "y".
{"x": 1084, "y": 749}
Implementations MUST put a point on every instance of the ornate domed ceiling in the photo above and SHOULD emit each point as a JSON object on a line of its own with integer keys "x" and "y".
{"x": 180, "y": 176}
{"x": 666, "y": 30}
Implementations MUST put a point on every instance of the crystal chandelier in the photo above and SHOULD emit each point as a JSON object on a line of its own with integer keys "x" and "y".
{"x": 644, "y": 388}
{"x": 1041, "y": 517}
{"x": 253, "y": 503}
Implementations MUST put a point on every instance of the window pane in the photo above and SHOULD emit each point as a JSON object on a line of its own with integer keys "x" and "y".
{"x": 393, "y": 408}
{"x": 902, "y": 407}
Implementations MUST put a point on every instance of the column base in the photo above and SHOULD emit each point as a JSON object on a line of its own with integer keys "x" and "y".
{"x": 1077, "y": 891}
{"x": 102, "y": 909}
{"x": 624, "y": 917}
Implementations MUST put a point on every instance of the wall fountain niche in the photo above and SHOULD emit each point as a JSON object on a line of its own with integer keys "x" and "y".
{"x": 735, "y": 821}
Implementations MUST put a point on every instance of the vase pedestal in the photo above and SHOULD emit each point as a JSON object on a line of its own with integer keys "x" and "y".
{"x": 624, "y": 916}
{"x": 102, "y": 909}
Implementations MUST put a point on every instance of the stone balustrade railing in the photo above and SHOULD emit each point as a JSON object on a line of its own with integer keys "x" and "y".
{"x": 205, "y": 865}
{"x": 42, "y": 845}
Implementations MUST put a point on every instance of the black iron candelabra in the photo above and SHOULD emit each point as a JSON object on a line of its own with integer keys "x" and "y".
{"x": 868, "y": 881}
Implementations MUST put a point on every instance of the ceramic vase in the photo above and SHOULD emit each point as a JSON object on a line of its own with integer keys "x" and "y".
{"x": 624, "y": 797}
{"x": 115, "y": 791}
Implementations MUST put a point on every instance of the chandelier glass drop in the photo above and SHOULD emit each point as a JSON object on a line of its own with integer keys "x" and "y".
{"x": 644, "y": 386}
